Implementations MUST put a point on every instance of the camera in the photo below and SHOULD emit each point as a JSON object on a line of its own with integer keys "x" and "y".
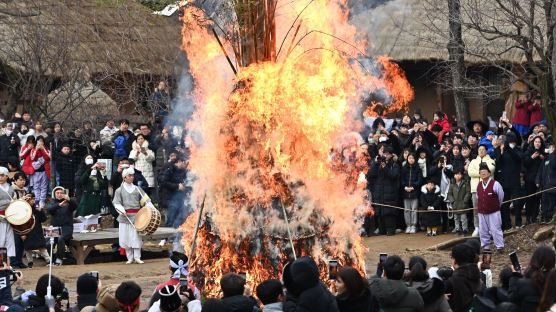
{"x": 381, "y": 159}
{"x": 64, "y": 295}
{"x": 14, "y": 275}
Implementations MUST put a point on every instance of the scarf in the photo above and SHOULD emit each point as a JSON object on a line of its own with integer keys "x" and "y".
{"x": 181, "y": 268}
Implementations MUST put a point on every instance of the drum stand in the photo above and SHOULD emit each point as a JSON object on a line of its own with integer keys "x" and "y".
{"x": 48, "y": 297}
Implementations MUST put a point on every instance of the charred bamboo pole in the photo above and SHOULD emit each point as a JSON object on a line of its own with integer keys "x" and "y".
{"x": 192, "y": 251}
{"x": 225, "y": 54}
{"x": 288, "y": 227}
{"x": 293, "y": 38}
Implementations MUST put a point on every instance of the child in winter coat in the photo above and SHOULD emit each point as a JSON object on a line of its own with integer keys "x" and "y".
{"x": 430, "y": 200}
{"x": 459, "y": 194}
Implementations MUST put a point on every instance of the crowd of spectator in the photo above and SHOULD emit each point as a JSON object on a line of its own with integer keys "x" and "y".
{"x": 463, "y": 285}
{"x": 427, "y": 177}
{"x": 86, "y": 166}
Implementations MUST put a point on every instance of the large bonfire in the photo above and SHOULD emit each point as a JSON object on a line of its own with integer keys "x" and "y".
{"x": 270, "y": 133}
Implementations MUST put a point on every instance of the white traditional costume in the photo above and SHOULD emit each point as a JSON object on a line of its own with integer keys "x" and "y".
{"x": 6, "y": 231}
{"x": 128, "y": 198}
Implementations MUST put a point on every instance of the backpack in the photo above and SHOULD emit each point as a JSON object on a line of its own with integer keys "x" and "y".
{"x": 119, "y": 145}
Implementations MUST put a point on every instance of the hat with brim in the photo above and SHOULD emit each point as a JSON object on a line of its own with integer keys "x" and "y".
{"x": 4, "y": 171}
{"x": 473, "y": 122}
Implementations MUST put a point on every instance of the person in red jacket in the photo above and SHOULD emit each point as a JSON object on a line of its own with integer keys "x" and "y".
{"x": 441, "y": 119}
{"x": 534, "y": 109}
{"x": 521, "y": 120}
{"x": 36, "y": 164}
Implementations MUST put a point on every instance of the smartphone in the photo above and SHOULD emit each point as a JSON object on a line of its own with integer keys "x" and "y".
{"x": 406, "y": 271}
{"x": 515, "y": 262}
{"x": 332, "y": 269}
{"x": 95, "y": 274}
{"x": 3, "y": 255}
{"x": 143, "y": 149}
{"x": 53, "y": 231}
{"x": 504, "y": 115}
{"x": 382, "y": 258}
{"x": 243, "y": 275}
{"x": 487, "y": 257}
{"x": 65, "y": 191}
{"x": 183, "y": 285}
{"x": 546, "y": 150}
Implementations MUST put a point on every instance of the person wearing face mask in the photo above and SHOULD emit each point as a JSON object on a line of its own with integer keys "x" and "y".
{"x": 9, "y": 145}
{"x": 508, "y": 168}
{"x": 24, "y": 133}
{"x": 93, "y": 181}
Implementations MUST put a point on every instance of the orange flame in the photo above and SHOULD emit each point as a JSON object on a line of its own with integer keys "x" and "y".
{"x": 275, "y": 136}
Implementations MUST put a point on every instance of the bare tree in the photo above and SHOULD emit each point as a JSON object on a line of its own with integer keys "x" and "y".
{"x": 57, "y": 61}
{"x": 457, "y": 62}
{"x": 516, "y": 37}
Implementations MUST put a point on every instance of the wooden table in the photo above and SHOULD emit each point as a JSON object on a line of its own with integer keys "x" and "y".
{"x": 82, "y": 243}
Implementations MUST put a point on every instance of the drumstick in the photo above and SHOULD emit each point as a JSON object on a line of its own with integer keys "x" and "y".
{"x": 130, "y": 222}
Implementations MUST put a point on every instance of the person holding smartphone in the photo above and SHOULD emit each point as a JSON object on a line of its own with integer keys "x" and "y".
{"x": 61, "y": 209}
{"x": 143, "y": 157}
{"x": 93, "y": 182}
{"x": 526, "y": 290}
{"x": 6, "y": 197}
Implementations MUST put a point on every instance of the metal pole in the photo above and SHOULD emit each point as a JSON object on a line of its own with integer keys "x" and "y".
{"x": 288, "y": 227}
{"x": 197, "y": 228}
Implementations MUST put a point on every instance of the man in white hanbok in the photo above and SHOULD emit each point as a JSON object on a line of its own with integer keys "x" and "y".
{"x": 127, "y": 201}
{"x": 6, "y": 197}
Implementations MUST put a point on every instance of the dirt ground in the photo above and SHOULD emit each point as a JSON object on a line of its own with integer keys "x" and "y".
{"x": 113, "y": 269}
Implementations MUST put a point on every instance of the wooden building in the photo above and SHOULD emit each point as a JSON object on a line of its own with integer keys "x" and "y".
{"x": 114, "y": 48}
{"x": 415, "y": 34}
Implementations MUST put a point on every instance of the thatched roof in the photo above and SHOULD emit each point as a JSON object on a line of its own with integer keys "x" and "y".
{"x": 75, "y": 102}
{"x": 417, "y": 30}
{"x": 97, "y": 36}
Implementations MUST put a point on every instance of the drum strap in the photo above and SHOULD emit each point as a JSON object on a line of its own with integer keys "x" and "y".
{"x": 131, "y": 210}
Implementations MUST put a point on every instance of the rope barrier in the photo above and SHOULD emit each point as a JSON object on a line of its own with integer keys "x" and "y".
{"x": 461, "y": 210}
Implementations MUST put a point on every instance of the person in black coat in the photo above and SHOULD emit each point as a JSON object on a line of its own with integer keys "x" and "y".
{"x": 532, "y": 161}
{"x": 508, "y": 168}
{"x": 9, "y": 145}
{"x": 526, "y": 291}
{"x": 546, "y": 179}
{"x": 36, "y": 303}
{"x": 138, "y": 178}
{"x": 234, "y": 294}
{"x": 412, "y": 178}
{"x": 429, "y": 201}
{"x": 66, "y": 167}
{"x": 354, "y": 292}
{"x": 35, "y": 239}
{"x": 62, "y": 209}
{"x": 305, "y": 292}
{"x": 383, "y": 178}
{"x": 465, "y": 282}
{"x": 173, "y": 181}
